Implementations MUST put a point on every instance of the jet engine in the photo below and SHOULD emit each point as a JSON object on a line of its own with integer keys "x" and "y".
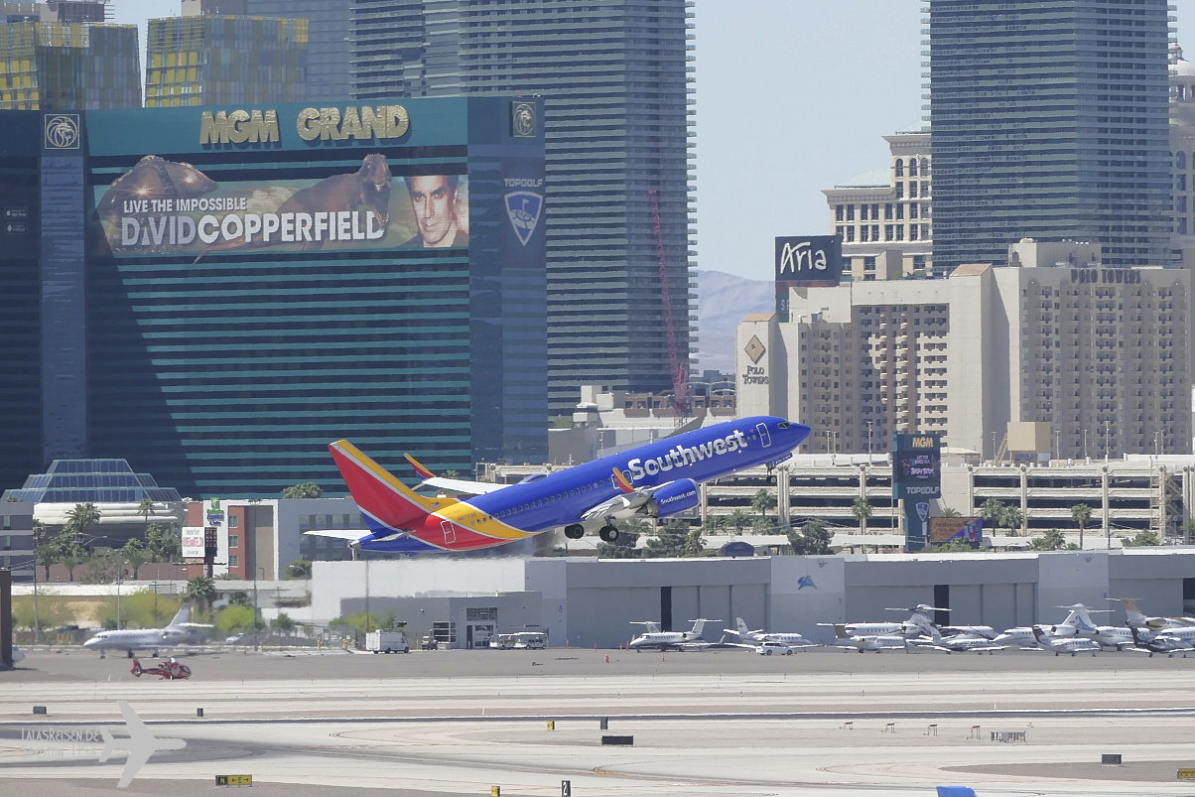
{"x": 672, "y": 497}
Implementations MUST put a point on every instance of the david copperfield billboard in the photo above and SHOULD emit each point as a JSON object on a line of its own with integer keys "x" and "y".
{"x": 161, "y": 206}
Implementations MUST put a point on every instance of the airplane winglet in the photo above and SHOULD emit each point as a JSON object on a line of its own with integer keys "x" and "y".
{"x": 422, "y": 472}
{"x": 623, "y": 483}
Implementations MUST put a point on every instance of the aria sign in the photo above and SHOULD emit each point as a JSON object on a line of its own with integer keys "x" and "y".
{"x": 809, "y": 260}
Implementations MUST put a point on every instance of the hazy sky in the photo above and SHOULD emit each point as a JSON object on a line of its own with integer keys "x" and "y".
{"x": 793, "y": 96}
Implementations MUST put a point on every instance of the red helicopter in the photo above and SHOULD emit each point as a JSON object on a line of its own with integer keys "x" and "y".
{"x": 169, "y": 669}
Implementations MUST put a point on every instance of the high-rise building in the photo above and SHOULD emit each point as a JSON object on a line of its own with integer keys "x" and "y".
{"x": 1049, "y": 121}
{"x": 59, "y": 56}
{"x": 616, "y": 83}
{"x": 1096, "y": 358}
{"x": 279, "y": 277}
{"x": 225, "y": 60}
{"x": 329, "y": 48}
{"x": 884, "y": 217}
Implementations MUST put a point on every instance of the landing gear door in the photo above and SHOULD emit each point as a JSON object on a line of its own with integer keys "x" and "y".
{"x": 765, "y": 437}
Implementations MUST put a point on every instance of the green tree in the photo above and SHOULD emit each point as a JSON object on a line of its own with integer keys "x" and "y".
{"x": 104, "y": 567}
{"x": 164, "y": 542}
{"x": 239, "y": 599}
{"x": 233, "y": 619}
{"x": 282, "y": 624}
{"x": 992, "y": 513}
{"x": 81, "y": 518}
{"x": 1081, "y": 513}
{"x": 1189, "y": 531}
{"x": 667, "y": 541}
{"x": 68, "y": 551}
{"x": 1011, "y": 519}
{"x": 303, "y": 490}
{"x": 737, "y": 519}
{"x": 145, "y": 508}
{"x": 861, "y": 509}
{"x": 948, "y": 512}
{"x": 1052, "y": 540}
{"x": 201, "y": 591}
{"x": 1142, "y": 539}
{"x": 812, "y": 539}
{"x": 763, "y": 501}
{"x": 694, "y": 544}
{"x": 135, "y": 554}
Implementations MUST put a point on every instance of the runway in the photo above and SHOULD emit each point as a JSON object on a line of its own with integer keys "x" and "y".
{"x": 720, "y": 722}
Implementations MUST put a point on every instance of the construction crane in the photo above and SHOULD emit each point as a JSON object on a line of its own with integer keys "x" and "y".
{"x": 680, "y": 365}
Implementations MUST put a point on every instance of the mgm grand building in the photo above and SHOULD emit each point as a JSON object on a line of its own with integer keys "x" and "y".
{"x": 215, "y": 293}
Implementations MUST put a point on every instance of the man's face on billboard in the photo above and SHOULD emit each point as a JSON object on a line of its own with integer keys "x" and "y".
{"x": 435, "y": 208}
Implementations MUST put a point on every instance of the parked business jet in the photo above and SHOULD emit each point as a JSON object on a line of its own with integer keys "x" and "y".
{"x": 179, "y": 631}
{"x": 673, "y": 640}
{"x": 1135, "y": 616}
{"x": 1146, "y": 641}
{"x": 1110, "y": 636}
{"x": 753, "y": 639}
{"x": 861, "y": 642}
{"x": 933, "y": 639}
{"x": 654, "y": 480}
{"x": 1023, "y": 635}
{"x": 1060, "y": 645}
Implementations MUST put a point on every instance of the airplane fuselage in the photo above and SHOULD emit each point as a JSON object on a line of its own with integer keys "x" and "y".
{"x": 580, "y": 493}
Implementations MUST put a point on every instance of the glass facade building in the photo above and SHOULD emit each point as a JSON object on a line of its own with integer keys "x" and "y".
{"x": 68, "y": 66}
{"x": 615, "y": 78}
{"x": 207, "y": 60}
{"x": 221, "y": 292}
{"x": 1049, "y": 121}
{"x": 328, "y": 45}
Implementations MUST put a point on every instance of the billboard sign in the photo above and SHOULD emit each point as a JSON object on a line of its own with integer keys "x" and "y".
{"x": 917, "y": 466}
{"x": 956, "y": 529}
{"x": 193, "y": 542}
{"x": 160, "y": 206}
{"x": 809, "y": 260}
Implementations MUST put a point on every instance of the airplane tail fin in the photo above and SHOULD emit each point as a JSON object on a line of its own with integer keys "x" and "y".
{"x": 423, "y": 472}
{"x": 1132, "y": 612}
{"x": 741, "y": 627}
{"x": 183, "y": 615}
{"x": 108, "y": 745}
{"x": 698, "y": 627}
{"x": 386, "y": 503}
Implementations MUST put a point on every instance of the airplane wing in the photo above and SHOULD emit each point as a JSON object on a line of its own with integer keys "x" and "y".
{"x": 352, "y": 535}
{"x": 460, "y": 485}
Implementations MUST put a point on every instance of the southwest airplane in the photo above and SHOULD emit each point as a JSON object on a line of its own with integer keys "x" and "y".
{"x": 654, "y": 480}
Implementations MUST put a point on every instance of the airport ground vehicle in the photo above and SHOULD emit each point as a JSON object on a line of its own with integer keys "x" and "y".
{"x": 169, "y": 669}
{"x": 520, "y": 640}
{"x": 386, "y": 642}
{"x": 769, "y": 646}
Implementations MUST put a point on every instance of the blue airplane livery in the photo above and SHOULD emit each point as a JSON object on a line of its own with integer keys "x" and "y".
{"x": 651, "y": 481}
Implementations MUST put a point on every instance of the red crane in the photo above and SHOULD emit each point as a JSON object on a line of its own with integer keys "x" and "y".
{"x": 680, "y": 365}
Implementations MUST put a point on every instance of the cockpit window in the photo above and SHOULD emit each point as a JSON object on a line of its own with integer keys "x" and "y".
{"x": 782, "y": 425}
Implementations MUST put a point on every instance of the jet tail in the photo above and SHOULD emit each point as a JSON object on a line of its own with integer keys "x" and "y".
{"x": 381, "y": 497}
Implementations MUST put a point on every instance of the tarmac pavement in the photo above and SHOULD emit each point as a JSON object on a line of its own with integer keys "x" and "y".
{"x": 715, "y": 722}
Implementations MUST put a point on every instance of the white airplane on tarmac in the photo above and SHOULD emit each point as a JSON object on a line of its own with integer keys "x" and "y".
{"x": 753, "y": 639}
{"x": 1060, "y": 645}
{"x": 672, "y": 640}
{"x": 933, "y": 639}
{"x": 1111, "y": 636}
{"x": 1023, "y": 635}
{"x": 1136, "y": 617}
{"x": 178, "y": 632}
{"x": 1151, "y": 642}
{"x": 861, "y": 642}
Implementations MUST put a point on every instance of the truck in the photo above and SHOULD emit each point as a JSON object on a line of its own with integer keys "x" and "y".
{"x": 386, "y": 642}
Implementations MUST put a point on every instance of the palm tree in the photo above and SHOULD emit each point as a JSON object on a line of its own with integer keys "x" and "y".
{"x": 1012, "y": 518}
{"x": 738, "y": 518}
{"x": 201, "y": 590}
{"x": 145, "y": 508}
{"x": 861, "y": 509}
{"x": 948, "y": 512}
{"x": 992, "y": 512}
{"x": 1081, "y": 513}
{"x": 762, "y": 501}
{"x": 136, "y": 554}
{"x": 82, "y": 517}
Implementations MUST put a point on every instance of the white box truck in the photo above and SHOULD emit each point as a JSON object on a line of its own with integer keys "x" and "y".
{"x": 386, "y": 642}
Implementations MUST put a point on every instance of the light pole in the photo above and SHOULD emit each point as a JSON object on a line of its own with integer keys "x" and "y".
{"x": 256, "y": 642}
{"x": 869, "y": 425}
{"x": 1107, "y": 439}
{"x": 1085, "y": 454}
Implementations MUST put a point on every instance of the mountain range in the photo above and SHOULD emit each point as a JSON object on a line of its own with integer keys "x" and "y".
{"x": 722, "y": 302}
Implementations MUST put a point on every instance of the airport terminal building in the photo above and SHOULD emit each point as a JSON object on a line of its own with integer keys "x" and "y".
{"x": 216, "y": 293}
